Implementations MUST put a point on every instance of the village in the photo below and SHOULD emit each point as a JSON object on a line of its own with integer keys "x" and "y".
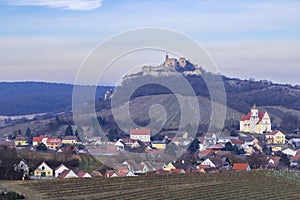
{"x": 256, "y": 147}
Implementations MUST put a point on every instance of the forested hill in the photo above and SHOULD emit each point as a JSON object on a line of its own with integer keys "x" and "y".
{"x": 22, "y": 98}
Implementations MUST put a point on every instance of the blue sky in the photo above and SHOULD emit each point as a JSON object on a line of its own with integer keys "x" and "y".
{"x": 45, "y": 40}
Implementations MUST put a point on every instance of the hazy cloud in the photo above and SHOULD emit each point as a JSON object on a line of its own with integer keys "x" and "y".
{"x": 64, "y": 4}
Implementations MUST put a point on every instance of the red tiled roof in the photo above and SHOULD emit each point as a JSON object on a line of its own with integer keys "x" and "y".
{"x": 298, "y": 152}
{"x": 140, "y": 132}
{"x": 176, "y": 171}
{"x": 70, "y": 137}
{"x": 295, "y": 157}
{"x": 216, "y": 146}
{"x": 272, "y": 133}
{"x": 109, "y": 173}
{"x": 237, "y": 141}
{"x": 64, "y": 173}
{"x": 53, "y": 140}
{"x": 240, "y": 166}
{"x": 248, "y": 116}
{"x": 38, "y": 139}
{"x": 81, "y": 174}
{"x": 204, "y": 166}
{"x": 206, "y": 152}
{"x": 161, "y": 171}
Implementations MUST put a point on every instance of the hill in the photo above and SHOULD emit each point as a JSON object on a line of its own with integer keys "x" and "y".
{"x": 23, "y": 98}
{"x": 234, "y": 185}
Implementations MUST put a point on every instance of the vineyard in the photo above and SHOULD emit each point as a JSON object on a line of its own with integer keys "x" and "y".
{"x": 234, "y": 185}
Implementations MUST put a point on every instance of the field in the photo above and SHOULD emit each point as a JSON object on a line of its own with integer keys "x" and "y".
{"x": 233, "y": 185}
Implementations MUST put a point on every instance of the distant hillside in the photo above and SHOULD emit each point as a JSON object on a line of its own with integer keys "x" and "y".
{"x": 22, "y": 98}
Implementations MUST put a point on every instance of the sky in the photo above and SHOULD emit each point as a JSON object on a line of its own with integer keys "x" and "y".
{"x": 42, "y": 40}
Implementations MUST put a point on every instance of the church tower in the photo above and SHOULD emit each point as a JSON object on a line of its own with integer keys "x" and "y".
{"x": 253, "y": 119}
{"x": 254, "y": 111}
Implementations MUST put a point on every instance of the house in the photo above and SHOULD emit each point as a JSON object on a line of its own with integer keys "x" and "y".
{"x": 275, "y": 148}
{"x": 39, "y": 139}
{"x": 206, "y": 153}
{"x": 4, "y": 142}
{"x": 182, "y": 141}
{"x": 158, "y": 145}
{"x": 119, "y": 145}
{"x": 212, "y": 162}
{"x": 110, "y": 173}
{"x": 255, "y": 122}
{"x": 275, "y": 137}
{"x": 43, "y": 171}
{"x": 84, "y": 175}
{"x": 59, "y": 170}
{"x": 96, "y": 174}
{"x": 295, "y": 142}
{"x": 169, "y": 167}
{"x": 210, "y": 139}
{"x": 216, "y": 147}
{"x": 241, "y": 167}
{"x": 128, "y": 142}
{"x": 179, "y": 164}
{"x": 70, "y": 139}
{"x": 177, "y": 171}
{"x": 216, "y": 162}
{"x": 132, "y": 166}
{"x": 146, "y": 166}
{"x": 289, "y": 152}
{"x": 123, "y": 173}
{"x": 297, "y": 152}
{"x": 21, "y": 141}
{"x": 68, "y": 174}
{"x": 240, "y": 144}
{"x": 224, "y": 140}
{"x": 140, "y": 134}
{"x": 273, "y": 162}
{"x": 67, "y": 148}
{"x": 295, "y": 161}
{"x": 251, "y": 140}
{"x": 21, "y": 166}
{"x": 53, "y": 143}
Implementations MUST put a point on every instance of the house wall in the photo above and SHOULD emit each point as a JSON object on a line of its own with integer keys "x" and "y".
{"x": 49, "y": 173}
{"x": 69, "y": 141}
{"x": 143, "y": 138}
{"x": 159, "y": 146}
{"x": 21, "y": 143}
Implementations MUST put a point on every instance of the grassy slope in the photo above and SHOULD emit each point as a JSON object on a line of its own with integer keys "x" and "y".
{"x": 234, "y": 185}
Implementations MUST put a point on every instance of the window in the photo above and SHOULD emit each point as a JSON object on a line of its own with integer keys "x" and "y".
{"x": 43, "y": 168}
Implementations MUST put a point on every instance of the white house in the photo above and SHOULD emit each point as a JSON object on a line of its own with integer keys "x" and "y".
{"x": 84, "y": 175}
{"x": 68, "y": 174}
{"x": 289, "y": 152}
{"x": 43, "y": 171}
{"x": 59, "y": 170}
{"x": 21, "y": 167}
{"x": 119, "y": 145}
{"x": 140, "y": 134}
{"x": 147, "y": 167}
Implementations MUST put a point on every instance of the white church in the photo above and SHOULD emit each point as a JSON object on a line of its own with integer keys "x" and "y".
{"x": 255, "y": 122}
